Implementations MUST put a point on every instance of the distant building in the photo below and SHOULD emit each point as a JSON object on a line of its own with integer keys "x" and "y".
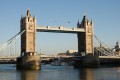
{"x": 68, "y": 53}
{"x": 62, "y": 54}
{"x": 72, "y": 51}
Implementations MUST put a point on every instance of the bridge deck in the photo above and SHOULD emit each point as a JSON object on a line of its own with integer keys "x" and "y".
{"x": 60, "y": 29}
{"x": 103, "y": 59}
{"x": 110, "y": 57}
{"x": 14, "y": 57}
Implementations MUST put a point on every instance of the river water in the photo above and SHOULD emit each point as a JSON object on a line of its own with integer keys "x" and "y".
{"x": 48, "y": 72}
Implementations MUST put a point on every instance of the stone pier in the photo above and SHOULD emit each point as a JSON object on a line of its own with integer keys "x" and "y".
{"x": 30, "y": 61}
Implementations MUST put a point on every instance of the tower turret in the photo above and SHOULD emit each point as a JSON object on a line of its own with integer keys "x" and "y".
{"x": 84, "y": 21}
{"x": 28, "y": 13}
{"x": 78, "y": 24}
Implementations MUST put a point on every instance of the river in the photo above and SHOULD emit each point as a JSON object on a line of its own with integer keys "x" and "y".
{"x": 48, "y": 72}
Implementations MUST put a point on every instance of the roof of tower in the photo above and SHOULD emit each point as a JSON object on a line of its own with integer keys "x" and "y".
{"x": 85, "y": 18}
{"x": 28, "y": 13}
{"x": 78, "y": 23}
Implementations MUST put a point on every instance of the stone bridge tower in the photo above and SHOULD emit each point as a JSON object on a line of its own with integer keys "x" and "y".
{"x": 28, "y": 39}
{"x": 85, "y": 45}
{"x": 85, "y": 39}
{"x": 28, "y": 58}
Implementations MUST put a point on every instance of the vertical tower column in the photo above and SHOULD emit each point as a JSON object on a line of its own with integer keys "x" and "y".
{"x": 85, "y": 39}
{"x": 28, "y": 59}
{"x": 85, "y": 45}
{"x": 28, "y": 39}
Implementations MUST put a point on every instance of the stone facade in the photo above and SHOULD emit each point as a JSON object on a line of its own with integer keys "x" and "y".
{"x": 28, "y": 58}
{"x": 28, "y": 39}
{"x": 85, "y": 39}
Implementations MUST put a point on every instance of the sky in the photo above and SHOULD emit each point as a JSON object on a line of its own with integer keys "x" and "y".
{"x": 104, "y": 13}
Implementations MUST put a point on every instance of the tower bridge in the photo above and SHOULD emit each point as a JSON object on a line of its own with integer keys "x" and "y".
{"x": 28, "y": 28}
{"x": 28, "y": 56}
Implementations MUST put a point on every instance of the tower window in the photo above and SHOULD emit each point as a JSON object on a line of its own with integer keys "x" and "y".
{"x": 30, "y": 20}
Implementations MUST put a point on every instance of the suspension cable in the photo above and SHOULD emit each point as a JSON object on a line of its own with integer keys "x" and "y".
{"x": 105, "y": 50}
{"x": 7, "y": 43}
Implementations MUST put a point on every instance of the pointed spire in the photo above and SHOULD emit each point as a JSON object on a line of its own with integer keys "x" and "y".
{"x": 21, "y": 17}
{"x": 21, "y": 20}
{"x": 84, "y": 17}
{"x": 85, "y": 20}
{"x": 78, "y": 24}
{"x": 91, "y": 22}
{"x": 28, "y": 13}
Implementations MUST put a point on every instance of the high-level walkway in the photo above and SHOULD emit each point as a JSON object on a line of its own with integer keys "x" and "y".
{"x": 60, "y": 29}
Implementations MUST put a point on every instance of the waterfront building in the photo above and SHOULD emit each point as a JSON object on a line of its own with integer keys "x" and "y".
{"x": 72, "y": 51}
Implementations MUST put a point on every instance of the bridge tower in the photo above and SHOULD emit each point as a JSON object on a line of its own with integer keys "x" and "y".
{"x": 85, "y": 39}
{"x": 85, "y": 44}
{"x": 28, "y": 39}
{"x": 28, "y": 58}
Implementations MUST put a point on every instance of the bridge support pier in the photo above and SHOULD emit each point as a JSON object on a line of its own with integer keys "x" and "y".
{"x": 29, "y": 61}
{"x": 85, "y": 45}
{"x": 91, "y": 61}
{"x": 88, "y": 61}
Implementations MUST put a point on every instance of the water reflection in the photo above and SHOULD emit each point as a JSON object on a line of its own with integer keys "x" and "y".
{"x": 28, "y": 74}
{"x": 86, "y": 74}
{"x": 48, "y": 74}
{"x": 9, "y": 72}
{"x": 57, "y": 73}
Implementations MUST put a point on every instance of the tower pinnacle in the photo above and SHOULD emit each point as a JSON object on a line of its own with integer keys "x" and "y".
{"x": 78, "y": 24}
{"x": 28, "y": 13}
